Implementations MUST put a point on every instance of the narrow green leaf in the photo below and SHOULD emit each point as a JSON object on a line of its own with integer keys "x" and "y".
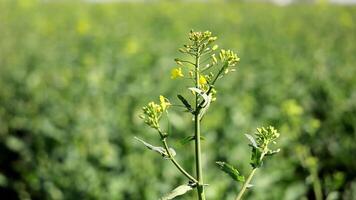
{"x": 231, "y": 171}
{"x": 157, "y": 149}
{"x": 187, "y": 139}
{"x": 180, "y": 190}
{"x": 190, "y": 138}
{"x": 186, "y": 103}
{"x": 272, "y": 152}
{"x": 256, "y": 161}
{"x": 252, "y": 140}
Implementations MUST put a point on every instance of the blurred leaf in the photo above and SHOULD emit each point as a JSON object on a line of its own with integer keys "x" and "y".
{"x": 231, "y": 171}
{"x": 252, "y": 140}
{"x": 272, "y": 152}
{"x": 190, "y": 138}
{"x": 180, "y": 190}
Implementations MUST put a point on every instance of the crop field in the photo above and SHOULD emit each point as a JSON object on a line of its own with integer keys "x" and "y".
{"x": 74, "y": 77}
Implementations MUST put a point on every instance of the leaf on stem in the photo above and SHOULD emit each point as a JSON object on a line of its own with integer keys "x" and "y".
{"x": 186, "y": 103}
{"x": 190, "y": 138}
{"x": 180, "y": 190}
{"x": 256, "y": 161}
{"x": 206, "y": 98}
{"x": 252, "y": 140}
{"x": 162, "y": 151}
{"x": 272, "y": 152}
{"x": 231, "y": 171}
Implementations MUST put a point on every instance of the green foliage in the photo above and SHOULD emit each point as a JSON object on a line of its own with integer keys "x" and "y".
{"x": 260, "y": 148}
{"x": 231, "y": 171}
{"x": 74, "y": 76}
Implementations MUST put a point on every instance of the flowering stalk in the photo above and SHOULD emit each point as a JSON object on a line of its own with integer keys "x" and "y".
{"x": 260, "y": 149}
{"x": 204, "y": 69}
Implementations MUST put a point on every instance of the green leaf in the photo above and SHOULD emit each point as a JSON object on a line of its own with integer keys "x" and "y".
{"x": 252, "y": 140}
{"x": 231, "y": 171}
{"x": 180, "y": 190}
{"x": 272, "y": 152}
{"x": 256, "y": 161}
{"x": 186, "y": 103}
{"x": 202, "y": 94}
{"x": 190, "y": 138}
{"x": 157, "y": 149}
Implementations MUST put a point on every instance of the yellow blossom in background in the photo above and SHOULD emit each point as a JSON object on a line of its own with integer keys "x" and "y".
{"x": 176, "y": 72}
{"x": 202, "y": 80}
{"x": 83, "y": 26}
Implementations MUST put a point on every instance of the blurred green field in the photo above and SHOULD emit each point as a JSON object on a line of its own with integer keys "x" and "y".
{"x": 74, "y": 76}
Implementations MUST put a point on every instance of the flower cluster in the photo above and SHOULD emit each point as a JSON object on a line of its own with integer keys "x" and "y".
{"x": 266, "y": 135}
{"x": 152, "y": 112}
{"x": 260, "y": 148}
{"x": 201, "y": 43}
{"x": 229, "y": 58}
{"x": 200, "y": 37}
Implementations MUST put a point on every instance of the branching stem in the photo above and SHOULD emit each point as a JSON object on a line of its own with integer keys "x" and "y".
{"x": 246, "y": 184}
{"x": 249, "y": 178}
{"x": 180, "y": 168}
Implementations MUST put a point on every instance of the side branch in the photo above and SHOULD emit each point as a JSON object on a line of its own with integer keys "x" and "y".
{"x": 179, "y": 167}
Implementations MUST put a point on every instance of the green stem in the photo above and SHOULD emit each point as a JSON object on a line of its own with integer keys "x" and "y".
{"x": 199, "y": 170}
{"x": 247, "y": 182}
{"x": 249, "y": 178}
{"x": 180, "y": 168}
{"x": 317, "y": 186}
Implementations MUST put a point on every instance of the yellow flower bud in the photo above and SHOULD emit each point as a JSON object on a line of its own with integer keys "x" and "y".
{"x": 202, "y": 80}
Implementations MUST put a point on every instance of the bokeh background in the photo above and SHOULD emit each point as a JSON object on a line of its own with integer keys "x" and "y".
{"x": 74, "y": 76}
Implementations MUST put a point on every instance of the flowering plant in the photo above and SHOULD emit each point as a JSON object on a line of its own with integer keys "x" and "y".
{"x": 205, "y": 68}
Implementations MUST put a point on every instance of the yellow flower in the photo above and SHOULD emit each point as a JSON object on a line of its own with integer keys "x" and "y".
{"x": 176, "y": 72}
{"x": 83, "y": 26}
{"x": 164, "y": 102}
{"x": 202, "y": 80}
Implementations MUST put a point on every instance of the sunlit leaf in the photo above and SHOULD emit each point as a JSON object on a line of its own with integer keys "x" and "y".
{"x": 272, "y": 152}
{"x": 157, "y": 149}
{"x": 206, "y": 98}
{"x": 252, "y": 140}
{"x": 180, "y": 190}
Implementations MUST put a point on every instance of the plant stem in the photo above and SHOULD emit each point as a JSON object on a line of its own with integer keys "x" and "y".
{"x": 247, "y": 182}
{"x": 249, "y": 178}
{"x": 316, "y": 185}
{"x": 180, "y": 168}
{"x": 199, "y": 170}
